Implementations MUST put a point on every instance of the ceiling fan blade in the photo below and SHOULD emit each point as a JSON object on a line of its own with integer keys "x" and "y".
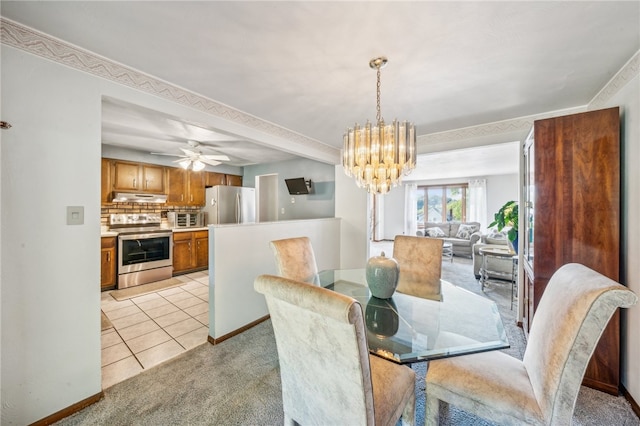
{"x": 165, "y": 153}
{"x": 214, "y": 157}
{"x": 210, "y": 162}
{"x": 189, "y": 152}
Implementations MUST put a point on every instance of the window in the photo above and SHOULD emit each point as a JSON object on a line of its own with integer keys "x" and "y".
{"x": 442, "y": 203}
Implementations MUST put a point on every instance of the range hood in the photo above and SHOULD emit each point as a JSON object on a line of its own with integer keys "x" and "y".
{"x": 134, "y": 197}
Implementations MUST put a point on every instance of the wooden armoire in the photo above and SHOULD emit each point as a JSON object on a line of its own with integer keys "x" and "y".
{"x": 571, "y": 213}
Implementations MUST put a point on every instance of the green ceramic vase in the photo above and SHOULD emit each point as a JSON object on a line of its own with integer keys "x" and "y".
{"x": 381, "y": 317}
{"x": 382, "y": 276}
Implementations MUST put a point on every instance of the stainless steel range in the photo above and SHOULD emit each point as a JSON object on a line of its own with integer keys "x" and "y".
{"x": 145, "y": 250}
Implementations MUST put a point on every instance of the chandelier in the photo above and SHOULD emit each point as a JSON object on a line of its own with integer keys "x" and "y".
{"x": 377, "y": 156}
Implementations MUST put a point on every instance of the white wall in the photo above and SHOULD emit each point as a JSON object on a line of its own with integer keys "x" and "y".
{"x": 352, "y": 209}
{"x": 500, "y": 189}
{"x": 319, "y": 203}
{"x": 50, "y": 281}
{"x": 50, "y": 159}
{"x": 394, "y": 213}
{"x": 628, "y": 99}
{"x": 239, "y": 253}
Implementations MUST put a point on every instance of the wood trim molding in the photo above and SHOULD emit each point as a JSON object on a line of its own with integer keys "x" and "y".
{"x": 216, "y": 340}
{"x": 634, "y": 405}
{"x": 66, "y": 412}
{"x": 40, "y": 44}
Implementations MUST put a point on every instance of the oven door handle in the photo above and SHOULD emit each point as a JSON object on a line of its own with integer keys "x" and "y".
{"x": 144, "y": 236}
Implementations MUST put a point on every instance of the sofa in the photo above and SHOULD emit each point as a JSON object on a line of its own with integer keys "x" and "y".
{"x": 495, "y": 239}
{"x": 461, "y": 235}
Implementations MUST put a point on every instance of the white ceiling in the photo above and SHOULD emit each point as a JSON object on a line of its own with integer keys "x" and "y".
{"x": 304, "y": 65}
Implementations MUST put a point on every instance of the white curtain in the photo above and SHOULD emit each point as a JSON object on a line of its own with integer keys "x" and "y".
{"x": 410, "y": 208}
{"x": 478, "y": 202}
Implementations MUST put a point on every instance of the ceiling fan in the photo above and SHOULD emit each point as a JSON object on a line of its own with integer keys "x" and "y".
{"x": 194, "y": 157}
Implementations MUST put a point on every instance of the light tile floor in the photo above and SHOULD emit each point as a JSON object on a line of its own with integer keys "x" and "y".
{"x": 153, "y": 328}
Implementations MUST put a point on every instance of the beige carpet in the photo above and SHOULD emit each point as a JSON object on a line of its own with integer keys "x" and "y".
{"x": 128, "y": 293}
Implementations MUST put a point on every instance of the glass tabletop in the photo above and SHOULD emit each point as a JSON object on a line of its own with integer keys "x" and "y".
{"x": 408, "y": 329}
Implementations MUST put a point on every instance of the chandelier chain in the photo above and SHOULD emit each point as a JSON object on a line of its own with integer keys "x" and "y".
{"x": 378, "y": 113}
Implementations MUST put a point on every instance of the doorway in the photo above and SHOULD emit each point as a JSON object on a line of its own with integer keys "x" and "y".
{"x": 267, "y": 198}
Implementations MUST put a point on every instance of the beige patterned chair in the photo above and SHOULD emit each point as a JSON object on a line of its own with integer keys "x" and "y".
{"x": 420, "y": 262}
{"x": 542, "y": 389}
{"x": 328, "y": 376}
{"x": 295, "y": 259}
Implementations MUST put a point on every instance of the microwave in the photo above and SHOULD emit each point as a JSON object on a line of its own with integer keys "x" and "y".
{"x": 185, "y": 220}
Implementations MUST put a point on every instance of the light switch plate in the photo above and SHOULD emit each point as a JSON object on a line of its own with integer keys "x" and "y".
{"x": 75, "y": 215}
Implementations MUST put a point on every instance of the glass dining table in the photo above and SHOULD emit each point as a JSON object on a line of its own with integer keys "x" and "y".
{"x": 407, "y": 329}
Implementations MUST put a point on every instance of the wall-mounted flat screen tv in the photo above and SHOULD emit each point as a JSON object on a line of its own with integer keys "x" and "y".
{"x": 297, "y": 186}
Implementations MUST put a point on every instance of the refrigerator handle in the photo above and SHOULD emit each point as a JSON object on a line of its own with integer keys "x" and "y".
{"x": 238, "y": 211}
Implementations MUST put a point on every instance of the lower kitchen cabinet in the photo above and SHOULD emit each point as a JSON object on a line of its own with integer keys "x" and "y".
{"x": 190, "y": 251}
{"x": 108, "y": 263}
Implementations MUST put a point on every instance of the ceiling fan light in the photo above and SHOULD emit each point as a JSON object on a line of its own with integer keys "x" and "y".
{"x": 185, "y": 163}
{"x": 198, "y": 165}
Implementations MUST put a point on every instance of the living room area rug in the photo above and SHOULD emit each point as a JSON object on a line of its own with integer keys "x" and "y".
{"x": 128, "y": 293}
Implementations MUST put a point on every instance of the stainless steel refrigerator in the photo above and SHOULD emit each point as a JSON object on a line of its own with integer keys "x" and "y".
{"x": 230, "y": 204}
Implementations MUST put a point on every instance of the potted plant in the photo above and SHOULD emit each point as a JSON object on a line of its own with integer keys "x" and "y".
{"x": 507, "y": 216}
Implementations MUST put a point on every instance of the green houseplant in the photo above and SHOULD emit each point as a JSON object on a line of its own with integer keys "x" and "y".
{"x": 507, "y": 216}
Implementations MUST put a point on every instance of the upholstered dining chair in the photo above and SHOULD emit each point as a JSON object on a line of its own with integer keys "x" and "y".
{"x": 328, "y": 376}
{"x": 295, "y": 259}
{"x": 542, "y": 388}
{"x": 420, "y": 262}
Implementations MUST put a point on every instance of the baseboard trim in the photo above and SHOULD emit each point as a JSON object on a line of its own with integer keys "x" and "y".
{"x": 215, "y": 341}
{"x": 634, "y": 405}
{"x": 66, "y": 412}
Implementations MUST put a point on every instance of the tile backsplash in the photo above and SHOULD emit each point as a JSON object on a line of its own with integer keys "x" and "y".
{"x": 112, "y": 208}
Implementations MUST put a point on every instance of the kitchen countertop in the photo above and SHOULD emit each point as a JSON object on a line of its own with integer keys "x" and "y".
{"x": 105, "y": 233}
{"x": 192, "y": 229}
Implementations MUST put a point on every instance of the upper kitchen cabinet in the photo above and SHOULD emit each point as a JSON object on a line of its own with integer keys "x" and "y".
{"x": 107, "y": 186}
{"x": 186, "y": 187}
{"x": 213, "y": 179}
{"x": 128, "y": 176}
{"x": 234, "y": 180}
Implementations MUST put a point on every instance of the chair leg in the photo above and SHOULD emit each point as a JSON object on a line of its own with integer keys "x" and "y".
{"x": 432, "y": 411}
{"x": 409, "y": 413}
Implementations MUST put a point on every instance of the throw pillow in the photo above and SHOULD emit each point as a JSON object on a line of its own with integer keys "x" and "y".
{"x": 465, "y": 231}
{"x": 496, "y": 237}
{"x": 435, "y": 232}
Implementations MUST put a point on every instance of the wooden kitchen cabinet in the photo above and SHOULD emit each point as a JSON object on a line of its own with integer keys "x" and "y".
{"x": 182, "y": 249}
{"x": 234, "y": 180}
{"x": 190, "y": 251}
{"x": 129, "y": 176}
{"x": 201, "y": 239}
{"x": 213, "y": 179}
{"x": 106, "y": 184}
{"x": 108, "y": 263}
{"x": 571, "y": 213}
{"x": 186, "y": 187}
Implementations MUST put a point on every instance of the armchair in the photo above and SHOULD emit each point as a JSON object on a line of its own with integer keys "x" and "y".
{"x": 420, "y": 262}
{"x": 542, "y": 388}
{"x": 328, "y": 376}
{"x": 295, "y": 258}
